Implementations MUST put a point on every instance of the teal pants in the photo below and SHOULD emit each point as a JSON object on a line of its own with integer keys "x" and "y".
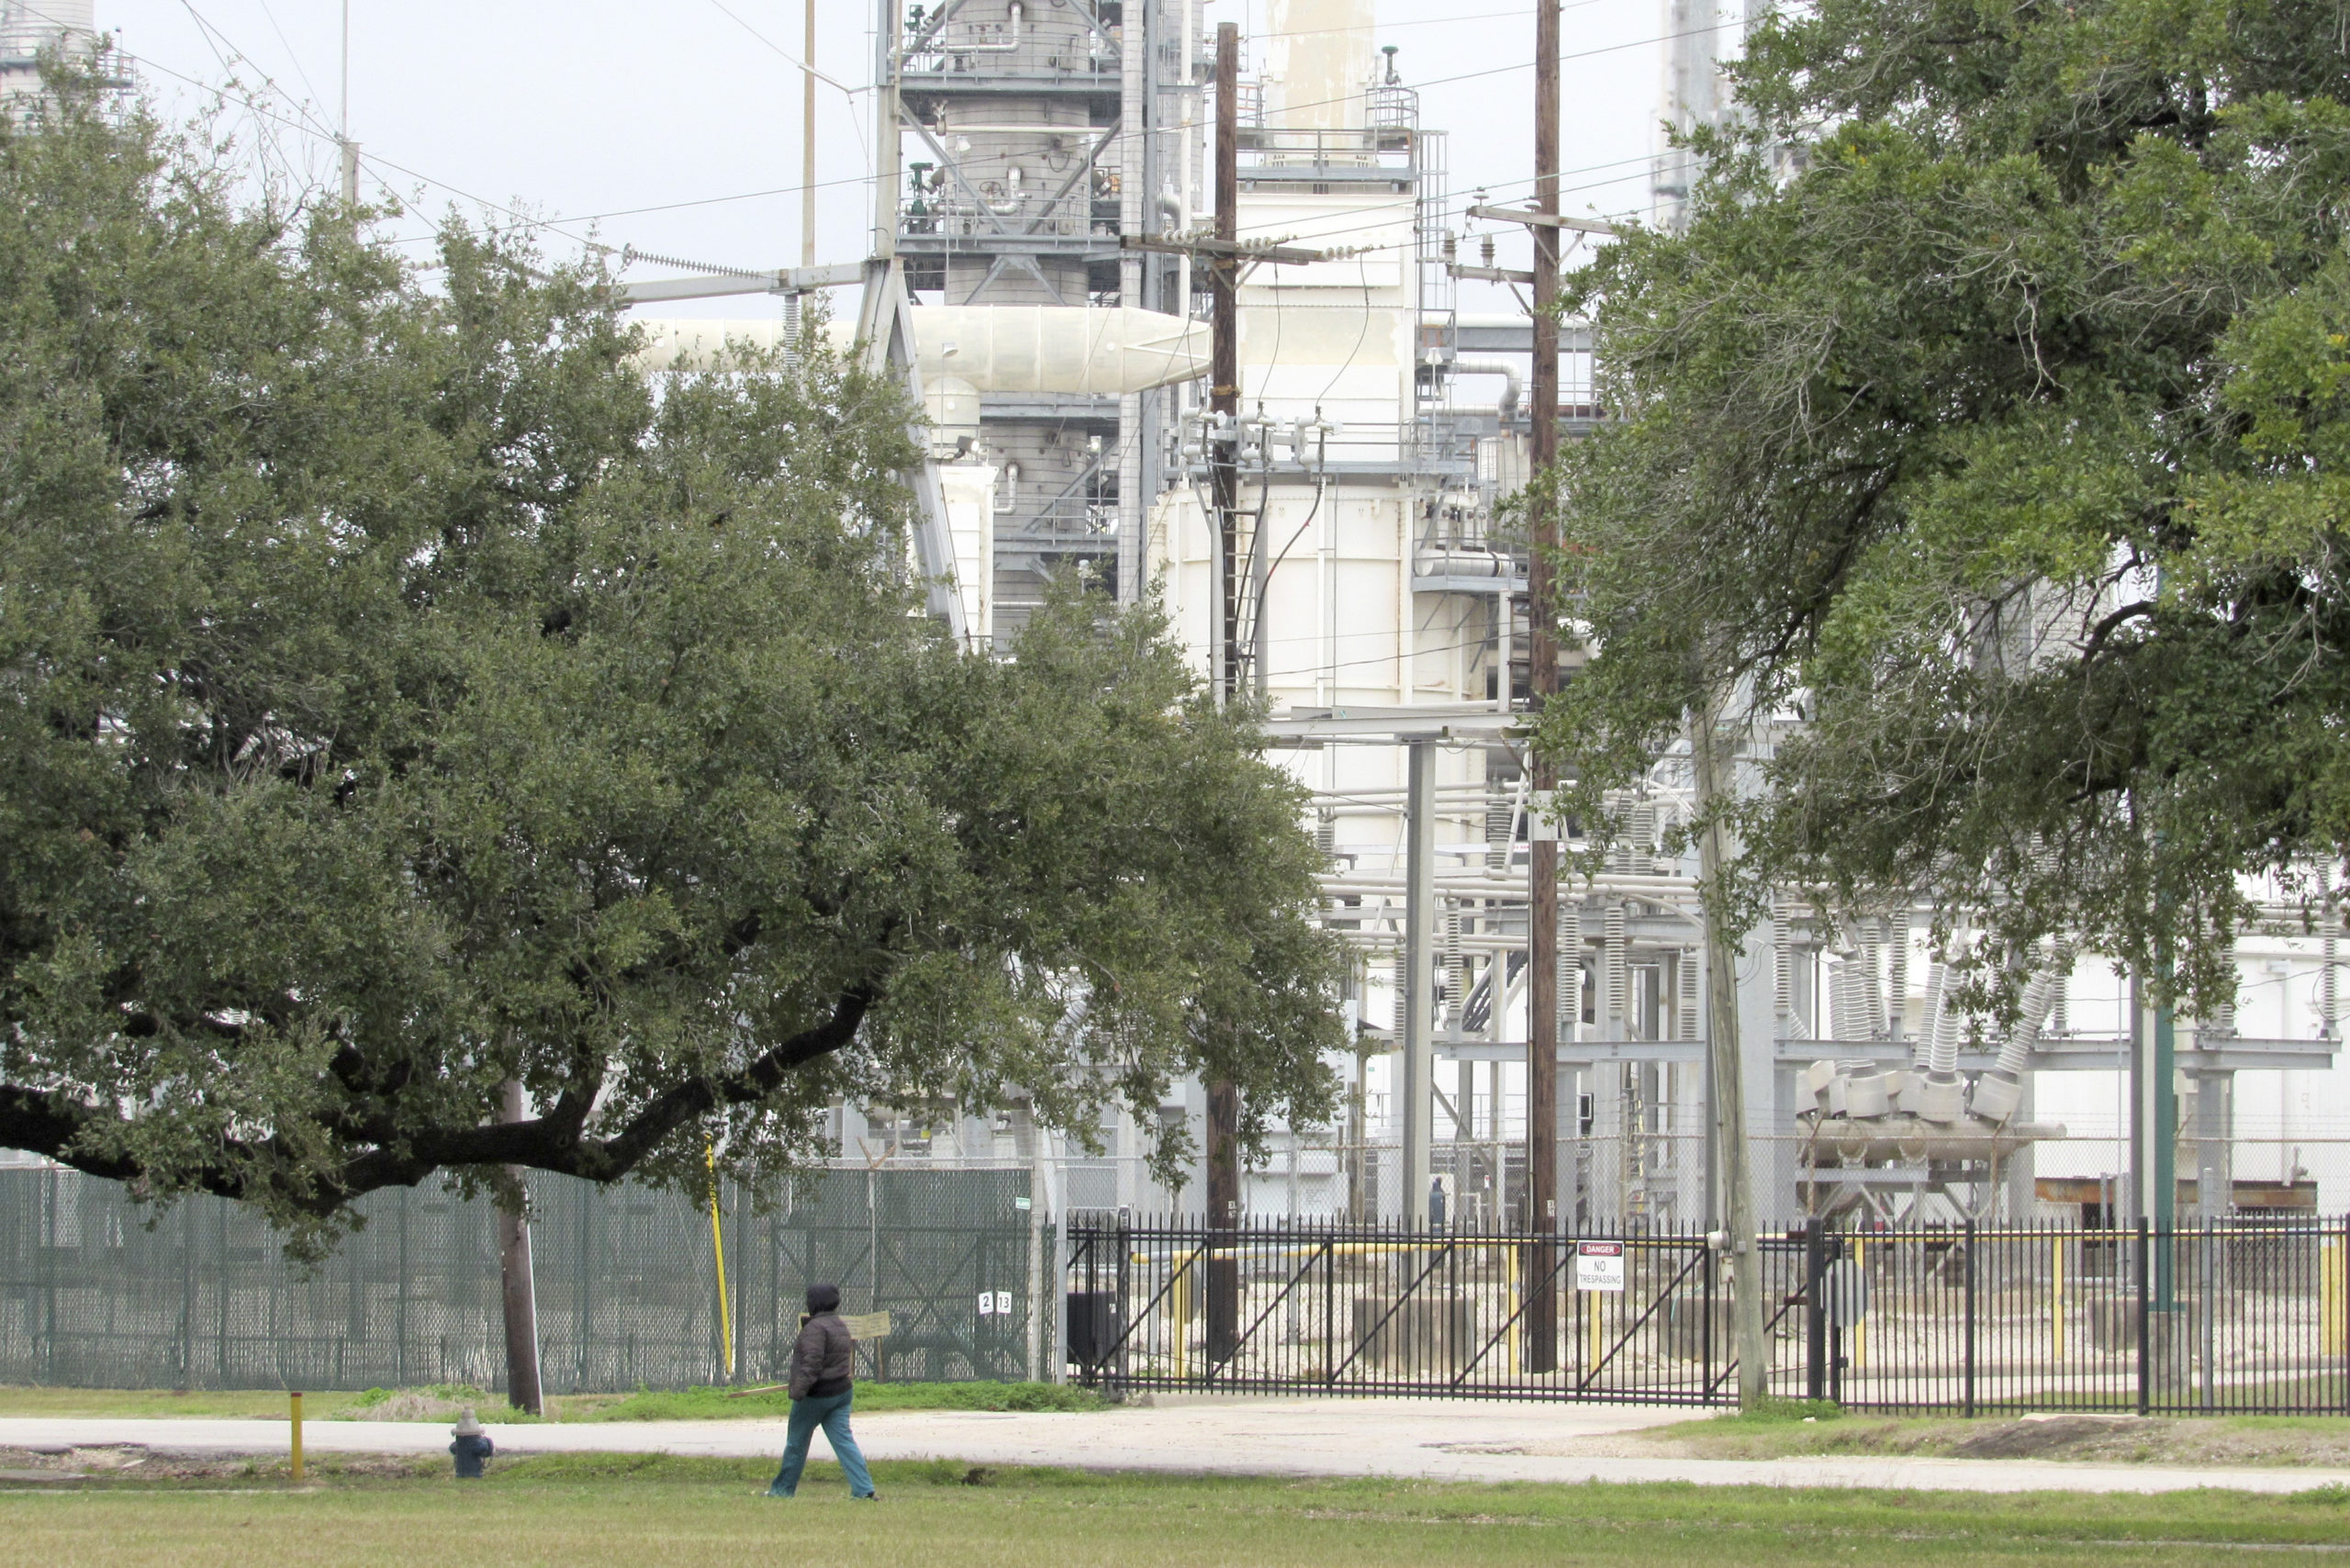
{"x": 832, "y": 1414}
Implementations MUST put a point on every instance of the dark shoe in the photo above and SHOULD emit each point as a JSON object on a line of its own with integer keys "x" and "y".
{"x": 868, "y": 1497}
{"x": 774, "y": 1491}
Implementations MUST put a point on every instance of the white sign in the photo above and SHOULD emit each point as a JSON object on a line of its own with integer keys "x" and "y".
{"x": 987, "y": 1302}
{"x": 1599, "y": 1266}
{"x": 1003, "y": 1304}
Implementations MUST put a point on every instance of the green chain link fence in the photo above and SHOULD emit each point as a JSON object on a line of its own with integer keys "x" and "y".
{"x": 96, "y": 1291}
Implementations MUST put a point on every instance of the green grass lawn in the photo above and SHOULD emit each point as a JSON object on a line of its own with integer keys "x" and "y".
{"x": 579, "y": 1511}
{"x": 1786, "y": 1428}
{"x": 441, "y": 1402}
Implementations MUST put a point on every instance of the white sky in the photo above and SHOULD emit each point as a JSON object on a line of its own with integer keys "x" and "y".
{"x": 587, "y": 112}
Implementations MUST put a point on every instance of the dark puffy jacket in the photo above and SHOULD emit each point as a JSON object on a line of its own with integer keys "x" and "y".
{"x": 824, "y": 1357}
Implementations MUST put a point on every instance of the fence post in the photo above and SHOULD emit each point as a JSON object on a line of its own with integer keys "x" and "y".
{"x": 2210, "y": 1310}
{"x": 1970, "y": 1316}
{"x": 1815, "y": 1315}
{"x": 1057, "y": 1330}
{"x": 2146, "y": 1354}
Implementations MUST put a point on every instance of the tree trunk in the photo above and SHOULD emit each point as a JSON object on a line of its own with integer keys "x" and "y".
{"x": 520, "y": 1287}
{"x": 1224, "y": 1215}
{"x": 1714, "y": 755}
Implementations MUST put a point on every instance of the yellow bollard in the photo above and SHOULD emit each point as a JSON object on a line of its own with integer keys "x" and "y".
{"x": 2056, "y": 1298}
{"x": 296, "y": 1400}
{"x": 1509, "y": 1265}
{"x": 2329, "y": 1296}
{"x": 1598, "y": 1332}
{"x": 718, "y": 1250}
{"x": 1861, "y": 1329}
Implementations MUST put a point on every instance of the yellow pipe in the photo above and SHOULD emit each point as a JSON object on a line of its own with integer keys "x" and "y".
{"x": 1861, "y": 1329}
{"x": 2330, "y": 1284}
{"x": 295, "y": 1399}
{"x": 718, "y": 1247}
{"x": 1515, "y": 1327}
{"x": 1598, "y": 1332}
{"x": 2056, "y": 1297}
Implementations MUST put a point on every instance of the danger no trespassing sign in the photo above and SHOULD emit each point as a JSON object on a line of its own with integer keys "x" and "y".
{"x": 1599, "y": 1266}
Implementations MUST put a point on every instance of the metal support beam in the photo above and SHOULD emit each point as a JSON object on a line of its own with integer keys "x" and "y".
{"x": 890, "y": 350}
{"x": 1419, "y": 960}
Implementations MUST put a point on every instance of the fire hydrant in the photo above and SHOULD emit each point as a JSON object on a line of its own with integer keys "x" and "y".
{"x": 472, "y": 1445}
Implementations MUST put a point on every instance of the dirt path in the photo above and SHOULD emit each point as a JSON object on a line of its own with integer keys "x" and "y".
{"x": 1430, "y": 1440}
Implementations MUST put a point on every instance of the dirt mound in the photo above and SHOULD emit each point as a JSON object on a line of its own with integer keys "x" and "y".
{"x": 2062, "y": 1437}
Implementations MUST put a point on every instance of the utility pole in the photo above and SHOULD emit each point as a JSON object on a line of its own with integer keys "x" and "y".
{"x": 1224, "y": 360}
{"x": 517, "y": 1281}
{"x": 1542, "y": 668}
{"x": 1713, "y": 754}
{"x": 1223, "y": 398}
{"x": 808, "y": 140}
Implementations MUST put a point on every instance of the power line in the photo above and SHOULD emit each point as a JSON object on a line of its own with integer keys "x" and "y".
{"x": 788, "y": 57}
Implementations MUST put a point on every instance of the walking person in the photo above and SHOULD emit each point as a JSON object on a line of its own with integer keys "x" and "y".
{"x": 823, "y": 1363}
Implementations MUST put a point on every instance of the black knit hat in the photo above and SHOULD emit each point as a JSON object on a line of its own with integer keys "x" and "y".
{"x": 824, "y": 1298}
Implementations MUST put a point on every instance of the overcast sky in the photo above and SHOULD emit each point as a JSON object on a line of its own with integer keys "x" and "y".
{"x": 675, "y": 128}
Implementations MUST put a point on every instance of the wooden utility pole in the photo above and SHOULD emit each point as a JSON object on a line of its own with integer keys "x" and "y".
{"x": 1223, "y": 398}
{"x": 1713, "y": 755}
{"x": 1542, "y": 679}
{"x": 1223, "y": 358}
{"x": 519, "y": 1284}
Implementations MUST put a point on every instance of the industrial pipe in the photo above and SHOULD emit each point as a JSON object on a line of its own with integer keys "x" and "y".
{"x": 1513, "y": 382}
{"x": 992, "y": 348}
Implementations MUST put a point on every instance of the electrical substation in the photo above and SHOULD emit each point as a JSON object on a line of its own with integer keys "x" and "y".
{"x": 1331, "y": 530}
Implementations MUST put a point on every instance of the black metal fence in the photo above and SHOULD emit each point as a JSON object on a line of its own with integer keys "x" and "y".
{"x": 96, "y": 1291}
{"x": 2237, "y": 1317}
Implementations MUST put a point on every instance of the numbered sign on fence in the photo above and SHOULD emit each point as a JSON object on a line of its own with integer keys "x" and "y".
{"x": 1599, "y": 1266}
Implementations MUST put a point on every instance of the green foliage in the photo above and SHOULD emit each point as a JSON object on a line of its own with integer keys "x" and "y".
{"x": 1989, "y": 418}
{"x": 402, "y": 695}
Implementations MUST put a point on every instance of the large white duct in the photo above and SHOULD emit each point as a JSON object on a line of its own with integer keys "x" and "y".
{"x": 990, "y": 348}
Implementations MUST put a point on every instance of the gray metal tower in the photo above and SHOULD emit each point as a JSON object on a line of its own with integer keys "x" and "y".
{"x": 1027, "y": 139}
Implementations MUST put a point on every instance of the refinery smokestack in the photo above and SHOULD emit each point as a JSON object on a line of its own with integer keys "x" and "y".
{"x": 1317, "y": 63}
{"x": 26, "y": 29}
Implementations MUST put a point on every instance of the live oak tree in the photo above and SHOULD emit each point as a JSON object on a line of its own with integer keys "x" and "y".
{"x": 399, "y": 696}
{"x": 1991, "y": 424}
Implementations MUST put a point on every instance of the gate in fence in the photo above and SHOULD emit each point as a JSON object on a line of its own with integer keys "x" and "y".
{"x": 2245, "y": 1317}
